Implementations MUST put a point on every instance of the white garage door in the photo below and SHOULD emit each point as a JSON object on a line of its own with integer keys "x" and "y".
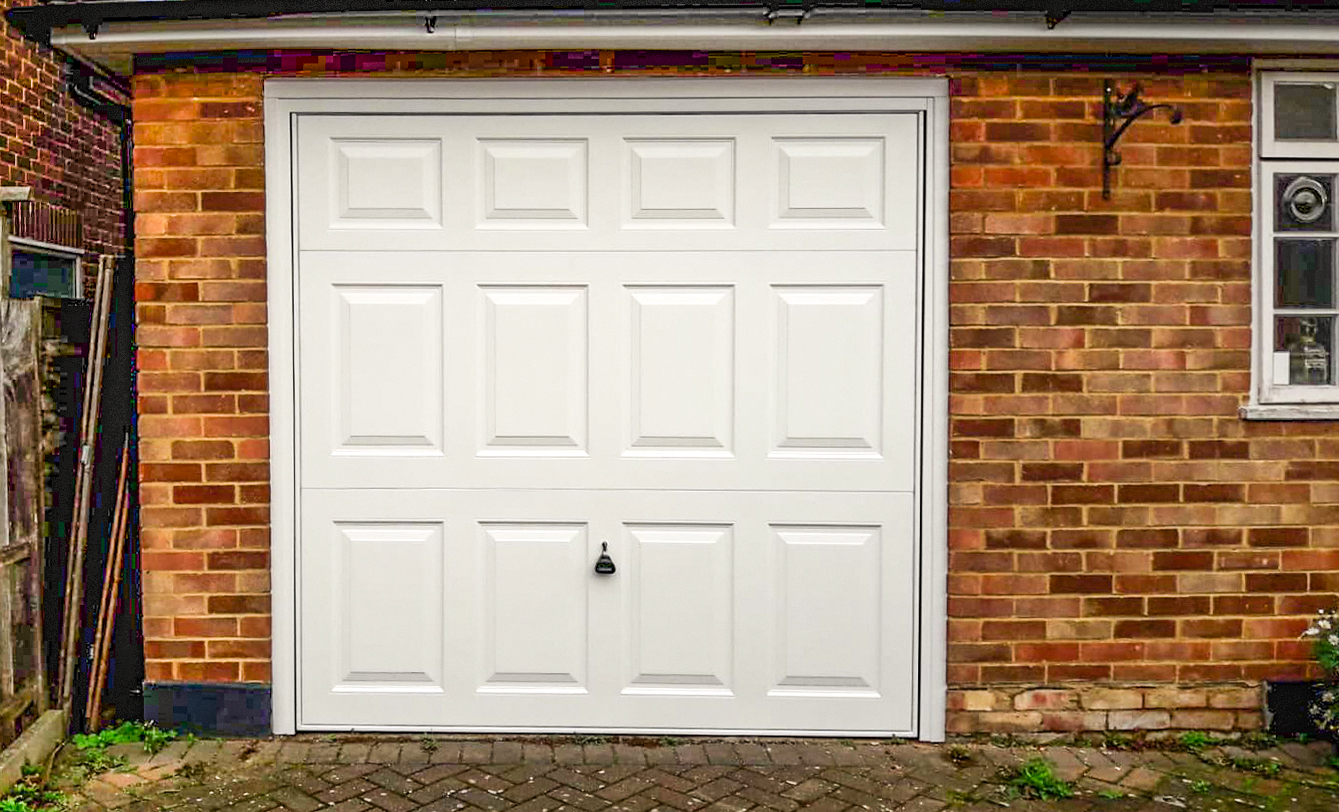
{"x": 691, "y": 340}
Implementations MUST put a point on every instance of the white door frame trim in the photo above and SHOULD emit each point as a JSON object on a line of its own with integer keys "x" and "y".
{"x": 285, "y": 99}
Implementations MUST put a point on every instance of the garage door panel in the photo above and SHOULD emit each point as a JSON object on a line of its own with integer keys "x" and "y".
{"x": 386, "y": 349}
{"x": 533, "y": 183}
{"x": 653, "y": 374}
{"x": 535, "y": 607}
{"x": 376, "y": 597}
{"x": 385, "y": 183}
{"x": 681, "y": 377}
{"x": 826, "y": 573}
{"x": 679, "y": 183}
{"x": 664, "y": 183}
{"x": 829, "y": 370}
{"x": 833, "y": 182}
{"x": 680, "y": 577}
{"x": 534, "y": 363}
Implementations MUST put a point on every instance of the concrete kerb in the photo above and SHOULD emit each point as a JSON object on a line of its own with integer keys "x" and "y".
{"x": 35, "y": 746}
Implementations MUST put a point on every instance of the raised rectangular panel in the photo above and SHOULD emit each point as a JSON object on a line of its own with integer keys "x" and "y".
{"x": 533, "y": 183}
{"x": 681, "y": 183}
{"x": 535, "y": 612}
{"x": 387, "y": 350}
{"x": 681, "y": 615}
{"x": 388, "y": 598}
{"x": 682, "y": 376}
{"x": 386, "y": 183}
{"x": 830, "y": 182}
{"x": 535, "y": 368}
{"x": 829, "y": 370}
{"x": 828, "y": 610}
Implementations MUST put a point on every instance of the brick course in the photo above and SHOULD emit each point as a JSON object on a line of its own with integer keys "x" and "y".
{"x": 1113, "y": 520}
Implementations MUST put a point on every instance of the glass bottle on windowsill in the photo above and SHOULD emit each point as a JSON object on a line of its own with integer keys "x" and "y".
{"x": 1309, "y": 364}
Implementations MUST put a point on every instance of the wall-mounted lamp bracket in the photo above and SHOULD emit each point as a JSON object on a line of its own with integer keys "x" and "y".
{"x": 1119, "y": 111}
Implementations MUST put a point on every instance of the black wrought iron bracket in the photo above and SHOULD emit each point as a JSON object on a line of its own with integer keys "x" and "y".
{"x": 1119, "y": 111}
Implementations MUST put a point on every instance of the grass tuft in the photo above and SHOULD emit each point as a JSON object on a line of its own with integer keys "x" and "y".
{"x": 1036, "y": 778}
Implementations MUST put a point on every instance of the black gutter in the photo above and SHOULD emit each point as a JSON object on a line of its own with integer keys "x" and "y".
{"x": 38, "y": 21}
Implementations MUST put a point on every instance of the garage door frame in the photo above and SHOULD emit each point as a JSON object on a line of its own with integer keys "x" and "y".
{"x": 286, "y": 99}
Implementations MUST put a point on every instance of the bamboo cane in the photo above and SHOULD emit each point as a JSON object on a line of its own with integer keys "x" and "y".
{"x": 74, "y": 581}
{"x": 111, "y": 582}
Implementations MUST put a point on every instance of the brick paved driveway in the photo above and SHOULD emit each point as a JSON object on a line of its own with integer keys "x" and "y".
{"x": 443, "y": 774}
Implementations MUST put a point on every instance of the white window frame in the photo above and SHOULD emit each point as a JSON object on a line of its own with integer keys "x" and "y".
{"x": 51, "y": 249}
{"x": 1268, "y": 400}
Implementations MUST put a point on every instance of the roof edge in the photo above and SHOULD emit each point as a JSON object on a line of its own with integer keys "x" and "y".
{"x": 38, "y": 21}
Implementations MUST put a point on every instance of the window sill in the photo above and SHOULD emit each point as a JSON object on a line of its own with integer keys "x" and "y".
{"x": 1290, "y": 411}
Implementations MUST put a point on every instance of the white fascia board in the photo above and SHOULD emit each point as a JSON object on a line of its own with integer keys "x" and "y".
{"x": 115, "y": 44}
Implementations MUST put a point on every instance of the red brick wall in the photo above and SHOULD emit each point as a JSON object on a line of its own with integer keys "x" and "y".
{"x": 204, "y": 474}
{"x": 1113, "y": 520}
{"x": 47, "y": 141}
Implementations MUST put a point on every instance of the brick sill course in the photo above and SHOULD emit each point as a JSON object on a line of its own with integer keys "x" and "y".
{"x": 1237, "y": 706}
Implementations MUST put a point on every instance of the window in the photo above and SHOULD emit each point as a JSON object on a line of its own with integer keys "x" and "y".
{"x": 1297, "y": 253}
{"x": 42, "y": 269}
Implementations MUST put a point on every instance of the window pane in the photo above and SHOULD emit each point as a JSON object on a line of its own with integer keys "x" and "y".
{"x": 1309, "y": 343}
{"x": 1304, "y": 202}
{"x": 1304, "y": 112}
{"x": 1304, "y": 273}
{"x": 38, "y": 274}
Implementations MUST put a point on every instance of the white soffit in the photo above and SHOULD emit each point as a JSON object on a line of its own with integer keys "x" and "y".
{"x": 115, "y": 44}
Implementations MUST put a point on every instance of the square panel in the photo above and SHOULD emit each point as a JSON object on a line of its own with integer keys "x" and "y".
{"x": 681, "y": 398}
{"x": 533, "y": 183}
{"x": 681, "y": 183}
{"x": 680, "y": 646}
{"x": 535, "y": 370}
{"x": 1304, "y": 202}
{"x": 1304, "y": 350}
{"x": 388, "y": 598}
{"x": 1304, "y": 273}
{"x": 829, "y": 182}
{"x": 829, "y": 610}
{"x": 535, "y": 613}
{"x": 1304, "y": 112}
{"x": 387, "y": 357}
{"x": 828, "y": 376}
{"x": 386, "y": 183}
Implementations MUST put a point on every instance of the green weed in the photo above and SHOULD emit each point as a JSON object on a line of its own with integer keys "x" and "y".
{"x": 154, "y": 738}
{"x": 28, "y": 795}
{"x": 1200, "y": 787}
{"x": 958, "y": 755}
{"x": 1196, "y": 740}
{"x": 1110, "y": 794}
{"x": 1036, "y": 778}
